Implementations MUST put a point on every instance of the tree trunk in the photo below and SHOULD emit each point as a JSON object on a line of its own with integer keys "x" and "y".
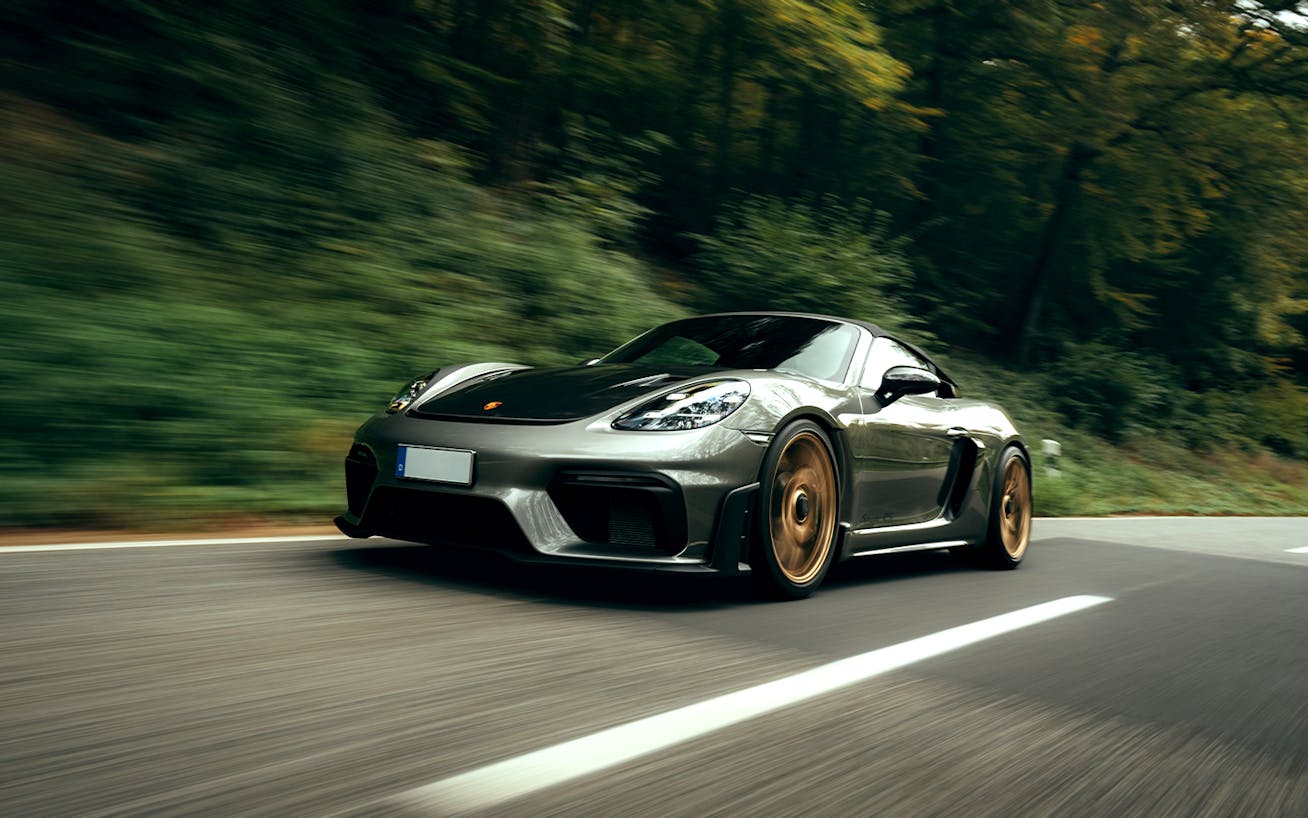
{"x": 685, "y": 122}
{"x": 934, "y": 97}
{"x": 727, "y": 91}
{"x": 1044, "y": 265}
{"x": 799, "y": 173}
{"x": 772, "y": 113}
{"x": 556, "y": 116}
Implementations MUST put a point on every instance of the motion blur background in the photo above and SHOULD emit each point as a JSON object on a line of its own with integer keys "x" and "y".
{"x": 229, "y": 231}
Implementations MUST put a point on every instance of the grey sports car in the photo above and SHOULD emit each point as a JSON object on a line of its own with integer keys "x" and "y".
{"x": 768, "y": 443}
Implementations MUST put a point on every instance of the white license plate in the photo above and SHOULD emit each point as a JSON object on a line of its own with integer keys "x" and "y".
{"x": 441, "y": 465}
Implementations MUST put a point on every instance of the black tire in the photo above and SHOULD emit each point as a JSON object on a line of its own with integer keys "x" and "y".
{"x": 795, "y": 529}
{"x": 1008, "y": 534}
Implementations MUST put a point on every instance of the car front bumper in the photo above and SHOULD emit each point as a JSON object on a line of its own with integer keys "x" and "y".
{"x": 571, "y": 491}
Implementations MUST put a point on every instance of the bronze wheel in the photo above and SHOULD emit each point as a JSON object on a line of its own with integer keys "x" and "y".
{"x": 1010, "y": 511}
{"x": 1015, "y": 509}
{"x": 800, "y": 495}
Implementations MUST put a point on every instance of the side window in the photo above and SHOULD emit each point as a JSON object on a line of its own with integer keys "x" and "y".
{"x": 826, "y": 357}
{"x": 885, "y": 353}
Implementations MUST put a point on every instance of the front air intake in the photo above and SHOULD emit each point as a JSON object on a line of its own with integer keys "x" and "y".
{"x": 633, "y": 519}
{"x": 443, "y": 518}
{"x": 643, "y": 512}
{"x": 360, "y": 474}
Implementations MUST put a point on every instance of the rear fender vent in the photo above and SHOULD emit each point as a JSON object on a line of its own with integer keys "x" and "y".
{"x": 962, "y": 466}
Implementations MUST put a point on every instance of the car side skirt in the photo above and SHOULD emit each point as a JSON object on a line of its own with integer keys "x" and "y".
{"x": 962, "y": 520}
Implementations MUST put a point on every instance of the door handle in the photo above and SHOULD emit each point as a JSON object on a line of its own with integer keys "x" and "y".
{"x": 957, "y": 431}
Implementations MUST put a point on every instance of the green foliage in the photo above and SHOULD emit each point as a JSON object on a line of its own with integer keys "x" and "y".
{"x": 1093, "y": 162}
{"x": 150, "y": 374}
{"x": 769, "y": 254}
{"x": 1152, "y": 468}
{"x": 1278, "y": 418}
{"x": 1159, "y": 479}
{"x": 1107, "y": 391}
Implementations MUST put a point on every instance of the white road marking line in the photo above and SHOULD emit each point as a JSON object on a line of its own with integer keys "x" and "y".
{"x": 1121, "y": 518}
{"x": 89, "y": 546}
{"x": 1303, "y": 550}
{"x": 1098, "y": 519}
{"x": 512, "y": 778}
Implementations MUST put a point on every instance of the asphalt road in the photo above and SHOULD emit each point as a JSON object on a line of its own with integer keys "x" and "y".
{"x": 357, "y": 678}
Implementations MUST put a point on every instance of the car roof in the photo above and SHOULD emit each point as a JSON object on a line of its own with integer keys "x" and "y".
{"x": 870, "y": 327}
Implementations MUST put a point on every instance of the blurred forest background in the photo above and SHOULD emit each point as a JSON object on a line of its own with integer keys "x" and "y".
{"x": 229, "y": 231}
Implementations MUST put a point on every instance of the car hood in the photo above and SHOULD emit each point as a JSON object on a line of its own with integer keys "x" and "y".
{"x": 556, "y": 394}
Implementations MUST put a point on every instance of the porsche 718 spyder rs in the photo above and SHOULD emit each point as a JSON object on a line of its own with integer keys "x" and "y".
{"x": 769, "y": 443}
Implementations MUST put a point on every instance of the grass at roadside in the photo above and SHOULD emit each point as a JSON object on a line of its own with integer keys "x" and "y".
{"x": 1145, "y": 472}
{"x": 1159, "y": 479}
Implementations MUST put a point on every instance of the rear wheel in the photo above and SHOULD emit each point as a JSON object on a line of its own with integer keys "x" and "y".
{"x": 1010, "y": 512}
{"x": 798, "y": 500}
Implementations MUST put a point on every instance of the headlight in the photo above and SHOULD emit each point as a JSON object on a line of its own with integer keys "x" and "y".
{"x": 691, "y": 408}
{"x": 406, "y": 395}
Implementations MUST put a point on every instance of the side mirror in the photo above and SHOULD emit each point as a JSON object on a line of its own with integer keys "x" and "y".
{"x": 907, "y": 380}
{"x": 589, "y": 362}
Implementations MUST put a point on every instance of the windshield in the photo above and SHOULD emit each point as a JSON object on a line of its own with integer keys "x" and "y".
{"x": 784, "y": 343}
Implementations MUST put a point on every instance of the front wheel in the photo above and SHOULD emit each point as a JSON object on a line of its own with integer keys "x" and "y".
{"x": 1009, "y": 531}
{"x": 798, "y": 503}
